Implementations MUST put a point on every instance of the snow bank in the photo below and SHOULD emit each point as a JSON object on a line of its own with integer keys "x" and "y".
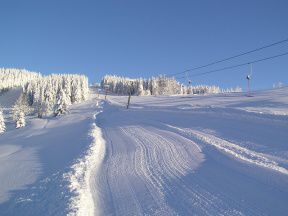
{"x": 235, "y": 150}
{"x": 82, "y": 203}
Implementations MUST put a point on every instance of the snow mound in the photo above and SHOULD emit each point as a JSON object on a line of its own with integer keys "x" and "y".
{"x": 235, "y": 150}
{"x": 83, "y": 203}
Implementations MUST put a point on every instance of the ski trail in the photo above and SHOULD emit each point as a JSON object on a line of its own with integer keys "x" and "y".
{"x": 163, "y": 159}
{"x": 84, "y": 202}
{"x": 139, "y": 164}
{"x": 149, "y": 171}
{"x": 234, "y": 149}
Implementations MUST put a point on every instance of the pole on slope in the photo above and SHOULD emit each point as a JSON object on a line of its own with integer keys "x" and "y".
{"x": 248, "y": 81}
{"x": 129, "y": 97}
{"x": 248, "y": 84}
{"x": 106, "y": 91}
{"x": 189, "y": 82}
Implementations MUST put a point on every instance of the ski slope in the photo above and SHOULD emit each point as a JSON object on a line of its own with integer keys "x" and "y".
{"x": 197, "y": 155}
{"x": 42, "y": 163}
{"x": 166, "y": 155}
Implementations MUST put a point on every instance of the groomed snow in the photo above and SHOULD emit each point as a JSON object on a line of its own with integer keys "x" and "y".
{"x": 235, "y": 150}
{"x": 221, "y": 154}
{"x": 195, "y": 155}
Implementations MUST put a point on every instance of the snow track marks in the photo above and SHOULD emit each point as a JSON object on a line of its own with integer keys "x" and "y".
{"x": 140, "y": 168}
{"x": 149, "y": 171}
{"x": 234, "y": 150}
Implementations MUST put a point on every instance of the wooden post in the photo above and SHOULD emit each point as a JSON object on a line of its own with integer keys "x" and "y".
{"x": 129, "y": 99}
{"x": 106, "y": 87}
{"x": 106, "y": 94}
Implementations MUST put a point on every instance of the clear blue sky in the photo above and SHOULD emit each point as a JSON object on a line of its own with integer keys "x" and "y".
{"x": 143, "y": 38}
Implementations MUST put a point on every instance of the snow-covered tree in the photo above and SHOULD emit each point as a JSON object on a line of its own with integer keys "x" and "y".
{"x": 278, "y": 85}
{"x": 140, "y": 90}
{"x": 84, "y": 87}
{"x": 182, "y": 90}
{"x": 231, "y": 90}
{"x": 160, "y": 85}
{"x": 48, "y": 97}
{"x": 61, "y": 104}
{"x": 43, "y": 93}
{"x": 154, "y": 87}
{"x": 22, "y": 104}
{"x": 12, "y": 77}
{"x": 20, "y": 108}
{"x": 67, "y": 88}
{"x": 41, "y": 104}
{"x": 76, "y": 91}
{"x": 20, "y": 121}
{"x": 2, "y": 122}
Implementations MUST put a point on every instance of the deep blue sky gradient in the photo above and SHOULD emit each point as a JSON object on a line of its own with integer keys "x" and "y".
{"x": 143, "y": 38}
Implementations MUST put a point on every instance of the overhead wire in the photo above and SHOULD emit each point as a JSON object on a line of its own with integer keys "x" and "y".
{"x": 234, "y": 66}
{"x": 232, "y": 57}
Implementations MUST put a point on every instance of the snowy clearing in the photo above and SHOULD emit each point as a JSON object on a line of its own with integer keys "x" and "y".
{"x": 223, "y": 154}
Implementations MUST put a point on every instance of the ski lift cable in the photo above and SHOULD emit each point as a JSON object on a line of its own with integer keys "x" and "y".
{"x": 232, "y": 57}
{"x": 235, "y": 66}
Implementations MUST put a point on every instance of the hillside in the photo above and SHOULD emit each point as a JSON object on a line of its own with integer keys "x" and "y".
{"x": 220, "y": 154}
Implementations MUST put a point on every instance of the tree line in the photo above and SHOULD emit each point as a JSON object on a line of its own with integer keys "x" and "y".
{"x": 12, "y": 77}
{"x": 160, "y": 85}
{"x": 43, "y": 95}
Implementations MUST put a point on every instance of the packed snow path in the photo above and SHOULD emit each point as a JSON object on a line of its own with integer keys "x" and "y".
{"x": 166, "y": 155}
{"x": 183, "y": 156}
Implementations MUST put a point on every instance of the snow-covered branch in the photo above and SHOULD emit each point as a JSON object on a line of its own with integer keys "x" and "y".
{"x": 160, "y": 85}
{"x": 12, "y": 77}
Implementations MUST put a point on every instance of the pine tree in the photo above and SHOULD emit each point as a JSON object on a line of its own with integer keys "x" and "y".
{"x": 22, "y": 103}
{"x": 11, "y": 77}
{"x": 20, "y": 108}
{"x": 2, "y": 122}
{"x": 61, "y": 104}
{"x": 41, "y": 105}
{"x": 154, "y": 86}
{"x": 20, "y": 122}
{"x": 19, "y": 114}
{"x": 140, "y": 90}
{"x": 182, "y": 90}
{"x": 48, "y": 98}
{"x": 67, "y": 89}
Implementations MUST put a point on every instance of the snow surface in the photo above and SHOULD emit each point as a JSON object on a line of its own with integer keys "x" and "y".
{"x": 36, "y": 159}
{"x": 83, "y": 171}
{"x": 223, "y": 154}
